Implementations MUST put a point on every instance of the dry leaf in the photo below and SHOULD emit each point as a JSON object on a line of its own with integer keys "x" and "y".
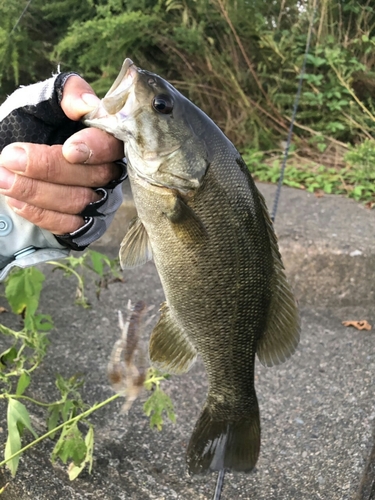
{"x": 360, "y": 325}
{"x": 370, "y": 204}
{"x": 3, "y": 310}
{"x": 319, "y": 193}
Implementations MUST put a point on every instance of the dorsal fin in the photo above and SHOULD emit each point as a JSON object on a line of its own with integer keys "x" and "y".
{"x": 281, "y": 336}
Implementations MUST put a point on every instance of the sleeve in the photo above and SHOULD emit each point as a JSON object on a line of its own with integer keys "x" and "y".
{"x": 23, "y": 244}
{"x": 33, "y": 114}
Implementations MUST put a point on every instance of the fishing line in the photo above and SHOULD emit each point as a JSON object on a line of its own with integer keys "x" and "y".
{"x": 10, "y": 35}
{"x": 219, "y": 485}
{"x": 21, "y": 16}
{"x": 294, "y": 114}
{"x": 221, "y": 474}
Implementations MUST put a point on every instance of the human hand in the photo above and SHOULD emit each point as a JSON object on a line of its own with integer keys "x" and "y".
{"x": 50, "y": 185}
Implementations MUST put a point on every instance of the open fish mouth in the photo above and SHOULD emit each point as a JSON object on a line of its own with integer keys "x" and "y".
{"x": 116, "y": 100}
{"x": 124, "y": 79}
{"x": 118, "y": 103}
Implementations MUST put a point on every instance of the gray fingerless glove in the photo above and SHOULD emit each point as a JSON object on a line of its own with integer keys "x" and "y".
{"x": 33, "y": 114}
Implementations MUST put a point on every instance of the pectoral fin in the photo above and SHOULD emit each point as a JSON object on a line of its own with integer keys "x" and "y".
{"x": 185, "y": 222}
{"x": 281, "y": 336}
{"x": 135, "y": 248}
{"x": 170, "y": 349}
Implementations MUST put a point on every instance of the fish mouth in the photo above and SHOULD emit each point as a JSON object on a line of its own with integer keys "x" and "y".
{"x": 116, "y": 99}
{"x": 122, "y": 80}
{"x": 118, "y": 102}
{"x": 164, "y": 153}
{"x": 179, "y": 183}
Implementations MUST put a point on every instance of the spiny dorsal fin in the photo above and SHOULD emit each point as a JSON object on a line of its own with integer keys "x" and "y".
{"x": 135, "y": 248}
{"x": 170, "y": 349}
{"x": 281, "y": 336}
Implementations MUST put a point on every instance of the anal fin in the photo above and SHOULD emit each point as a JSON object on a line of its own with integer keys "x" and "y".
{"x": 170, "y": 349}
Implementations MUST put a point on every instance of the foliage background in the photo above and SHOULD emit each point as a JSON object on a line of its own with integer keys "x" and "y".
{"x": 239, "y": 60}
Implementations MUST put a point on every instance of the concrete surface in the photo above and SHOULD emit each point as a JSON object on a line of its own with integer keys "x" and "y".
{"x": 317, "y": 410}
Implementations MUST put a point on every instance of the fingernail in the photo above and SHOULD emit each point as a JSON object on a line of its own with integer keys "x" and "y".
{"x": 17, "y": 204}
{"x": 6, "y": 178}
{"x": 77, "y": 152}
{"x": 14, "y": 158}
{"x": 90, "y": 99}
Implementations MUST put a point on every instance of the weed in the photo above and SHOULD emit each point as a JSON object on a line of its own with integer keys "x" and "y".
{"x": 355, "y": 180}
{"x": 28, "y": 347}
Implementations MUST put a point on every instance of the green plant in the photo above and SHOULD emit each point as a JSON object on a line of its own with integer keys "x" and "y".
{"x": 361, "y": 160}
{"x": 239, "y": 61}
{"x": 356, "y": 181}
{"x": 106, "y": 269}
{"x": 159, "y": 402}
{"x": 67, "y": 416}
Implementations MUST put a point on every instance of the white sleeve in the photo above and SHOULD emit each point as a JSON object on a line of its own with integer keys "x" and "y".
{"x": 22, "y": 243}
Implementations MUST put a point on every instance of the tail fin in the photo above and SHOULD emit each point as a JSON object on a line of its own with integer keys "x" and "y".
{"x": 224, "y": 444}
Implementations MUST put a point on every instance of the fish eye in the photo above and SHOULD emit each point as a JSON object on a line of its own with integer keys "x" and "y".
{"x": 163, "y": 103}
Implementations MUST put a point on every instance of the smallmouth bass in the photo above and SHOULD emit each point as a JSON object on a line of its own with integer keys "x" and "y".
{"x": 205, "y": 224}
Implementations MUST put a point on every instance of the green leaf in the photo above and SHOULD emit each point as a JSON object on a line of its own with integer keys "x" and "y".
{"x": 327, "y": 188}
{"x": 13, "y": 443}
{"x": 23, "y": 383}
{"x": 17, "y": 412}
{"x": 23, "y": 289}
{"x": 7, "y": 357}
{"x": 74, "y": 262}
{"x": 154, "y": 407}
{"x": 43, "y": 322}
{"x": 291, "y": 183}
{"x": 75, "y": 470}
{"x": 97, "y": 260}
{"x": 321, "y": 147}
{"x": 53, "y": 418}
{"x": 62, "y": 385}
{"x": 315, "y": 60}
{"x": 89, "y": 441}
{"x": 17, "y": 419}
{"x": 357, "y": 191}
{"x": 70, "y": 445}
{"x": 65, "y": 410}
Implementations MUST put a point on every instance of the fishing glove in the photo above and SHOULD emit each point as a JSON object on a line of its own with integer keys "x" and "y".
{"x": 33, "y": 114}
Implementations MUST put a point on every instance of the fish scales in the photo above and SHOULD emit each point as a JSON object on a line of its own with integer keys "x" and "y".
{"x": 193, "y": 273}
{"x": 202, "y": 219}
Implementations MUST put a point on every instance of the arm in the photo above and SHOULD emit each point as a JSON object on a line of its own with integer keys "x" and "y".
{"x": 49, "y": 196}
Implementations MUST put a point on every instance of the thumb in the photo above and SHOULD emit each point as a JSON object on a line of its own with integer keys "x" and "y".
{"x": 78, "y": 98}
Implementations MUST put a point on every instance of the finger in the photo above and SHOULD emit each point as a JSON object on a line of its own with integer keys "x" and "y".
{"x": 78, "y": 98}
{"x": 93, "y": 147}
{"x": 59, "y": 198}
{"x": 47, "y": 163}
{"x": 55, "y": 222}
{"x": 90, "y": 145}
